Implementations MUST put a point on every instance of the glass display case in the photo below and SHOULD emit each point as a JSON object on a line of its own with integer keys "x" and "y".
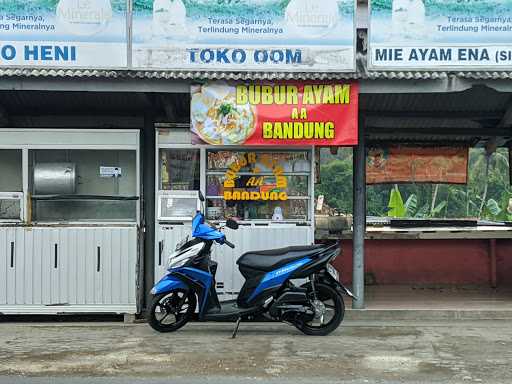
{"x": 178, "y": 205}
{"x": 179, "y": 179}
{"x": 272, "y": 185}
{"x": 11, "y": 185}
{"x": 83, "y": 185}
{"x": 179, "y": 169}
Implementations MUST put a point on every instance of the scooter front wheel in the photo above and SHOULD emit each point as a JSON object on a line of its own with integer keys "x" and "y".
{"x": 172, "y": 310}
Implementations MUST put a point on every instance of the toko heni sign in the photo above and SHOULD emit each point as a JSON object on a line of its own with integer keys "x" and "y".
{"x": 63, "y": 33}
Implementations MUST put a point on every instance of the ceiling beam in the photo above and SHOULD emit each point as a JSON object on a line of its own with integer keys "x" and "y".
{"x": 78, "y": 121}
{"x": 434, "y": 114}
{"x": 440, "y": 131}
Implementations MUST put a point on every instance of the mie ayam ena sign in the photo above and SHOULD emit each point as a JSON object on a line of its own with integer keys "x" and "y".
{"x": 436, "y": 34}
{"x": 281, "y": 113}
{"x": 289, "y": 35}
{"x": 63, "y": 33}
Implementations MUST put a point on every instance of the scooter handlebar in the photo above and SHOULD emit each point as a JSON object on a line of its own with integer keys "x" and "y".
{"x": 230, "y": 245}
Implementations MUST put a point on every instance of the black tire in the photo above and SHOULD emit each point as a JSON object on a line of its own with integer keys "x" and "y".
{"x": 179, "y": 304}
{"x": 333, "y": 302}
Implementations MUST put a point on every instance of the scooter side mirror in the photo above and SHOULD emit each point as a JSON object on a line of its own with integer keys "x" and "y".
{"x": 232, "y": 224}
{"x": 201, "y": 196}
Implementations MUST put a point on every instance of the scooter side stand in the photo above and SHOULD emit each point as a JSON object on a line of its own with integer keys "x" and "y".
{"x": 235, "y": 331}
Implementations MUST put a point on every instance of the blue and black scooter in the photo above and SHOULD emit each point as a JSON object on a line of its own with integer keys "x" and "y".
{"x": 271, "y": 290}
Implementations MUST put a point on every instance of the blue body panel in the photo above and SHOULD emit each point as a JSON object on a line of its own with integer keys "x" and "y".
{"x": 204, "y": 231}
{"x": 205, "y": 279}
{"x": 167, "y": 284}
{"x": 277, "y": 278}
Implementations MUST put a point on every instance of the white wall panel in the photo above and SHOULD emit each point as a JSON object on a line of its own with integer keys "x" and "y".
{"x": 58, "y": 267}
{"x": 168, "y": 236}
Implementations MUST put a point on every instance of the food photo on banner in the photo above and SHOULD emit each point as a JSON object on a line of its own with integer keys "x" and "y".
{"x": 439, "y": 34}
{"x": 280, "y": 113}
{"x": 63, "y": 33}
{"x": 290, "y": 35}
{"x": 401, "y": 164}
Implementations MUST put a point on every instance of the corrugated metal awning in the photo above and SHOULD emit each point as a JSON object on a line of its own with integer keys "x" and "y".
{"x": 192, "y": 75}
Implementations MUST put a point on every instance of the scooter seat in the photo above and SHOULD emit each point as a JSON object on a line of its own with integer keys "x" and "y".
{"x": 271, "y": 259}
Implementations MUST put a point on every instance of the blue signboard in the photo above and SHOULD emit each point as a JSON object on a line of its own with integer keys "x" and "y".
{"x": 239, "y": 35}
{"x": 63, "y": 33}
{"x": 441, "y": 34}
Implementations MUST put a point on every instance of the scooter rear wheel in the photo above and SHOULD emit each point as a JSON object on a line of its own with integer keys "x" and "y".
{"x": 172, "y": 310}
{"x": 331, "y": 311}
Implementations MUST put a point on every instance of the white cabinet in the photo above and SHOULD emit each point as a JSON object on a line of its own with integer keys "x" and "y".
{"x": 168, "y": 236}
{"x": 8, "y": 264}
{"x": 68, "y": 269}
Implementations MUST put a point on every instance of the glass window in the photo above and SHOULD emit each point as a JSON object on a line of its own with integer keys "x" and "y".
{"x": 11, "y": 177}
{"x": 179, "y": 170}
{"x": 10, "y": 207}
{"x": 487, "y": 194}
{"x": 83, "y": 185}
{"x": 11, "y": 184}
{"x": 258, "y": 185}
{"x": 290, "y": 210}
{"x": 177, "y": 206}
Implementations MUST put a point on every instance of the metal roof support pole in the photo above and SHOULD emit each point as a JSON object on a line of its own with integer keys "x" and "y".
{"x": 148, "y": 168}
{"x": 359, "y": 196}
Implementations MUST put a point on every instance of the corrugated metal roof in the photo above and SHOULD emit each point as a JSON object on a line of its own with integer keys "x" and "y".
{"x": 178, "y": 75}
{"x": 190, "y": 75}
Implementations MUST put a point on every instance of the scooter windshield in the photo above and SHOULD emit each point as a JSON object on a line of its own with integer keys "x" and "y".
{"x": 202, "y": 230}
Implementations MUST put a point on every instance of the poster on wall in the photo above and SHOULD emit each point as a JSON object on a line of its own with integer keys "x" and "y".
{"x": 63, "y": 33}
{"x": 440, "y": 34}
{"x": 242, "y": 35}
{"x": 417, "y": 165}
{"x": 281, "y": 113}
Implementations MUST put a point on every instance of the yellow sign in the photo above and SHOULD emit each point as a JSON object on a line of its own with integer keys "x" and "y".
{"x": 265, "y": 192}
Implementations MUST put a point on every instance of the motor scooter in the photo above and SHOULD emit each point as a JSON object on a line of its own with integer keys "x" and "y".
{"x": 296, "y": 285}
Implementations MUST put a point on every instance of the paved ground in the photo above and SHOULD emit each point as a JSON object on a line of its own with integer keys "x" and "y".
{"x": 359, "y": 352}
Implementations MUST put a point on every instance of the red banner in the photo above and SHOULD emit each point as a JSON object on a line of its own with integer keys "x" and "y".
{"x": 417, "y": 165}
{"x": 283, "y": 113}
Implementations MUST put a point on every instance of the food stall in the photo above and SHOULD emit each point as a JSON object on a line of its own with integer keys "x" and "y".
{"x": 69, "y": 213}
{"x": 250, "y": 149}
{"x": 266, "y": 222}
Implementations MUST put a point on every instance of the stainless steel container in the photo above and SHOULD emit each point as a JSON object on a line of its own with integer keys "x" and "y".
{"x": 55, "y": 178}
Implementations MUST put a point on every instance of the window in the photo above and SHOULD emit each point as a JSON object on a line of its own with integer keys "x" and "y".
{"x": 83, "y": 185}
{"x": 179, "y": 170}
{"x": 487, "y": 194}
{"x": 11, "y": 185}
{"x": 179, "y": 181}
{"x": 270, "y": 186}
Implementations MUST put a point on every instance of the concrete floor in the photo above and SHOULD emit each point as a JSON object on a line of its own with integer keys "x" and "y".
{"x": 437, "y": 298}
{"x": 358, "y": 352}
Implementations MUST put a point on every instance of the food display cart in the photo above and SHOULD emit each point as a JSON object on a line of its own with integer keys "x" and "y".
{"x": 69, "y": 214}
